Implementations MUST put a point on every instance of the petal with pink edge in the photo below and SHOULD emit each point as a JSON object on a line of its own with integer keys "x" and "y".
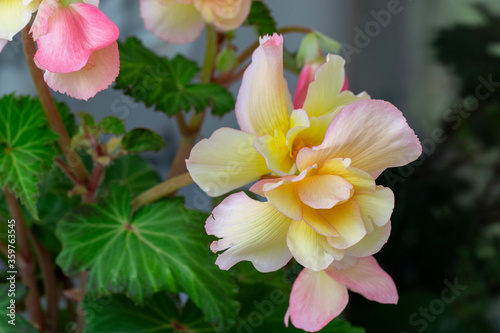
{"x": 14, "y": 15}
{"x": 306, "y": 77}
{"x": 376, "y": 207}
{"x": 73, "y": 33}
{"x": 373, "y": 133}
{"x": 91, "y": 79}
{"x": 171, "y": 20}
{"x": 41, "y": 23}
{"x": 263, "y": 98}
{"x": 309, "y": 248}
{"x": 315, "y": 300}
{"x": 371, "y": 243}
{"x": 225, "y": 161}
{"x": 366, "y": 277}
{"x": 324, "y": 191}
{"x": 249, "y": 230}
{"x": 346, "y": 219}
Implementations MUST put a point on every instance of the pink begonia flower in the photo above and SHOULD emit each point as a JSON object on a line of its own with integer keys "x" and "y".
{"x": 181, "y": 21}
{"x": 325, "y": 204}
{"x": 319, "y": 297}
{"x": 14, "y": 15}
{"x": 77, "y": 47}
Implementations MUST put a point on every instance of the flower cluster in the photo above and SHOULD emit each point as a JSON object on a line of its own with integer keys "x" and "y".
{"x": 315, "y": 163}
{"x": 76, "y": 42}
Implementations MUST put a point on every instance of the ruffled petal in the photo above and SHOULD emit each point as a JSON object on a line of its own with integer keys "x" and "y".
{"x": 14, "y": 15}
{"x": 309, "y": 248}
{"x": 346, "y": 219}
{"x": 361, "y": 181}
{"x": 368, "y": 279}
{"x": 373, "y": 133}
{"x": 284, "y": 197}
{"x": 263, "y": 98}
{"x": 172, "y": 21}
{"x": 376, "y": 207}
{"x": 315, "y": 300}
{"x": 324, "y": 191}
{"x": 249, "y": 230}
{"x": 371, "y": 243}
{"x": 88, "y": 81}
{"x": 41, "y": 23}
{"x": 225, "y": 161}
{"x": 73, "y": 33}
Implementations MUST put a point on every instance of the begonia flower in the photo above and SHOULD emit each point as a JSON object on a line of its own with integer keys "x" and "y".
{"x": 272, "y": 132}
{"x": 77, "y": 47}
{"x": 181, "y": 21}
{"x": 319, "y": 297}
{"x": 323, "y": 202}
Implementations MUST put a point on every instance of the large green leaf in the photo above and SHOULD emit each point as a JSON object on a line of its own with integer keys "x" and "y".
{"x": 161, "y": 247}
{"x": 167, "y": 83}
{"x": 21, "y": 325}
{"x": 26, "y": 147}
{"x": 131, "y": 171}
{"x": 118, "y": 314}
{"x": 140, "y": 140}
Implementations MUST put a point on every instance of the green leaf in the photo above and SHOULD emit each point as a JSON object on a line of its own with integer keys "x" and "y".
{"x": 260, "y": 17}
{"x": 139, "y": 140}
{"x": 131, "y": 171}
{"x": 226, "y": 59}
{"x": 112, "y": 125}
{"x": 86, "y": 118}
{"x": 167, "y": 83}
{"x": 21, "y": 325}
{"x": 26, "y": 147}
{"x": 161, "y": 247}
{"x": 118, "y": 314}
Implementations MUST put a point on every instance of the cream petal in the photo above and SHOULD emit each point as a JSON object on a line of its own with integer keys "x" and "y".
{"x": 377, "y": 206}
{"x": 14, "y": 15}
{"x": 225, "y": 161}
{"x": 371, "y": 243}
{"x": 263, "y": 98}
{"x": 373, "y": 133}
{"x": 249, "y": 230}
{"x": 361, "y": 181}
{"x": 346, "y": 219}
{"x": 172, "y": 21}
{"x": 224, "y": 15}
{"x": 315, "y": 300}
{"x": 309, "y": 248}
{"x": 324, "y": 191}
{"x": 88, "y": 81}
{"x": 284, "y": 198}
{"x": 368, "y": 279}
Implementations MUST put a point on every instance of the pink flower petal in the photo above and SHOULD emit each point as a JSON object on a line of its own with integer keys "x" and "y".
{"x": 373, "y": 133}
{"x": 41, "y": 23}
{"x": 368, "y": 279}
{"x": 306, "y": 76}
{"x": 103, "y": 68}
{"x": 249, "y": 230}
{"x": 173, "y": 21}
{"x": 316, "y": 299}
{"x": 73, "y": 33}
{"x": 225, "y": 161}
{"x": 263, "y": 102}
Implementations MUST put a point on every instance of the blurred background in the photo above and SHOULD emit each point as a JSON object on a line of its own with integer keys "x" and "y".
{"x": 439, "y": 62}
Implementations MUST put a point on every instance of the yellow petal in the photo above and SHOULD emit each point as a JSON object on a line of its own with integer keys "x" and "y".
{"x": 362, "y": 181}
{"x": 14, "y": 16}
{"x": 346, "y": 219}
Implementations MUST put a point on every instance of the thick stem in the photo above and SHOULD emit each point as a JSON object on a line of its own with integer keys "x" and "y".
{"x": 162, "y": 190}
{"x": 50, "y": 109}
{"x": 49, "y": 281}
{"x": 25, "y": 262}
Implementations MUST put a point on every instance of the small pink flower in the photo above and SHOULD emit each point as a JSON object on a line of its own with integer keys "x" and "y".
{"x": 76, "y": 47}
{"x": 181, "y": 21}
{"x": 319, "y": 297}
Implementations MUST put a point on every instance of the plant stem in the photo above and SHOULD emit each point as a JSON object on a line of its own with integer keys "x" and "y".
{"x": 189, "y": 133}
{"x": 162, "y": 190}
{"x": 50, "y": 109}
{"x": 49, "y": 281}
{"x": 25, "y": 262}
